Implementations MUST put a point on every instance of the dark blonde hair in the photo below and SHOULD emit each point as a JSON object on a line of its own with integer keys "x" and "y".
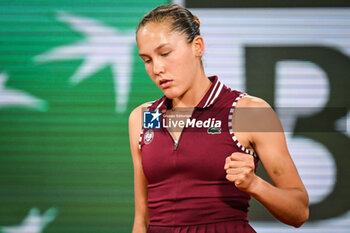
{"x": 180, "y": 19}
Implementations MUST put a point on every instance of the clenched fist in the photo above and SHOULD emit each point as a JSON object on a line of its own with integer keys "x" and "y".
{"x": 240, "y": 170}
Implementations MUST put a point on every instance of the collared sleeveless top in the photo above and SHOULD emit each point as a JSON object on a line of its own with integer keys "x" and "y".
{"x": 187, "y": 182}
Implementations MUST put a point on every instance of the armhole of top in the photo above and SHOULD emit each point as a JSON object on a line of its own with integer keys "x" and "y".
{"x": 142, "y": 129}
{"x": 235, "y": 140}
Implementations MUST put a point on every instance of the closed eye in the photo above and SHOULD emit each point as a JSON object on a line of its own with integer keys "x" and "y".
{"x": 165, "y": 54}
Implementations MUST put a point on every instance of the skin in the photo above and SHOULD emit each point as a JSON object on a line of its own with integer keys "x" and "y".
{"x": 168, "y": 56}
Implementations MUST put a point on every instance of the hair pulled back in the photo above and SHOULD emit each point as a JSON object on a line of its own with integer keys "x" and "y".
{"x": 180, "y": 19}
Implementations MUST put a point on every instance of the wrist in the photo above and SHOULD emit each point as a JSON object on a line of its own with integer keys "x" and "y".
{"x": 255, "y": 185}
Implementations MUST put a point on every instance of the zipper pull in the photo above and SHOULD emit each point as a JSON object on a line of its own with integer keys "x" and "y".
{"x": 175, "y": 144}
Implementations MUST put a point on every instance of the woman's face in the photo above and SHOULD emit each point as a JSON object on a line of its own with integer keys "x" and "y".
{"x": 169, "y": 59}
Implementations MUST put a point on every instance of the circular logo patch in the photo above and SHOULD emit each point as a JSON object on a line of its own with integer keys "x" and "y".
{"x": 147, "y": 139}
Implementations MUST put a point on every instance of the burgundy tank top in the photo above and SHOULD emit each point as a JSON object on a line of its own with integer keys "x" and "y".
{"x": 186, "y": 180}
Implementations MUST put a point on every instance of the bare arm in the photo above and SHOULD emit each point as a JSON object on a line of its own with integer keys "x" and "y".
{"x": 141, "y": 219}
{"x": 286, "y": 199}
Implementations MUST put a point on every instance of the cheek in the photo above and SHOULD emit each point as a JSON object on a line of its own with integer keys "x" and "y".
{"x": 184, "y": 68}
{"x": 187, "y": 57}
{"x": 181, "y": 62}
{"x": 149, "y": 71}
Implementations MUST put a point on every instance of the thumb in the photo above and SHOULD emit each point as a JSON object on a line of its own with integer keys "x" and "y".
{"x": 227, "y": 161}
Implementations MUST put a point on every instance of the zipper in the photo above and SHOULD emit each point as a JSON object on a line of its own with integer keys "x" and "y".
{"x": 176, "y": 143}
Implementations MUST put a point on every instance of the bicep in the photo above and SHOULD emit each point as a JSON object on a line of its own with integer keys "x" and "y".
{"x": 140, "y": 192}
{"x": 269, "y": 142}
{"x": 140, "y": 182}
{"x": 274, "y": 156}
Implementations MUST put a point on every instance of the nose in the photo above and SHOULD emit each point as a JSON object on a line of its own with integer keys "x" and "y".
{"x": 158, "y": 67}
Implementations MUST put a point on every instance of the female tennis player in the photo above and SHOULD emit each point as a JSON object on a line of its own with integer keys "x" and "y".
{"x": 195, "y": 171}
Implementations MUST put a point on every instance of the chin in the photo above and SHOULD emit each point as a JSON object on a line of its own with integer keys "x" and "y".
{"x": 170, "y": 94}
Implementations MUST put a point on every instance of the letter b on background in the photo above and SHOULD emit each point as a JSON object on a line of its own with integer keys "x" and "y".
{"x": 320, "y": 127}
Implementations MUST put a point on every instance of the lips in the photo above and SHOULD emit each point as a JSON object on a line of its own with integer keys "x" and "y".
{"x": 165, "y": 83}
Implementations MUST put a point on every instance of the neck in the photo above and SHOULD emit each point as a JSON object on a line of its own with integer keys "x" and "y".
{"x": 195, "y": 93}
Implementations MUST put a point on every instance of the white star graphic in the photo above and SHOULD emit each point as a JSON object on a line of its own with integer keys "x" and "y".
{"x": 33, "y": 222}
{"x": 17, "y": 98}
{"x": 102, "y": 46}
{"x": 155, "y": 115}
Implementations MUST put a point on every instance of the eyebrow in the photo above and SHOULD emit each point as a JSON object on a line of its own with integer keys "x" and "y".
{"x": 158, "y": 48}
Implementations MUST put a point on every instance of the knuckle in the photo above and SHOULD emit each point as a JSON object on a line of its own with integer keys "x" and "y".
{"x": 227, "y": 165}
{"x": 249, "y": 171}
{"x": 242, "y": 177}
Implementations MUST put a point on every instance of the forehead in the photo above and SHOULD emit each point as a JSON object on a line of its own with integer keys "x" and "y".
{"x": 153, "y": 34}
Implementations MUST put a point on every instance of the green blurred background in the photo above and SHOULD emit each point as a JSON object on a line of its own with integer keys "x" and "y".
{"x": 63, "y": 144}
{"x": 70, "y": 75}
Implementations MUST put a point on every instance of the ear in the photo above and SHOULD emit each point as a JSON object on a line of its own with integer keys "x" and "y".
{"x": 198, "y": 46}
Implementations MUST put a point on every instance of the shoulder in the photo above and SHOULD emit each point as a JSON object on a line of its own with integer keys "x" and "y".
{"x": 136, "y": 116}
{"x": 254, "y": 114}
{"x": 249, "y": 101}
{"x": 135, "y": 124}
{"x": 136, "y": 112}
